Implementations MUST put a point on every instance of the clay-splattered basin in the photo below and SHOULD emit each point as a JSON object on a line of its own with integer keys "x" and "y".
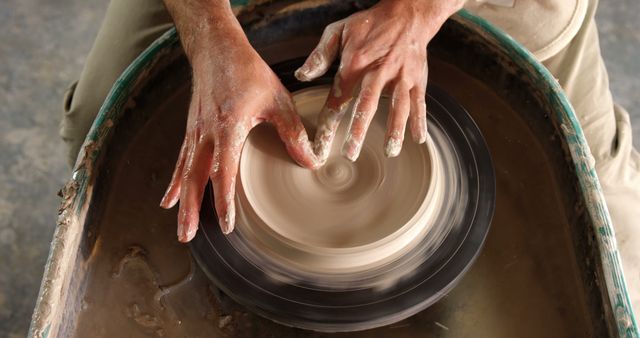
{"x": 549, "y": 268}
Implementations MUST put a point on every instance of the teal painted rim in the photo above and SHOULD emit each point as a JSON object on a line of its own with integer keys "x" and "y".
{"x": 119, "y": 95}
{"x": 587, "y": 177}
{"x": 111, "y": 110}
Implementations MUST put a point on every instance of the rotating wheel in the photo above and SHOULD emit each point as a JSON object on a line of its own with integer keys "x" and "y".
{"x": 352, "y": 246}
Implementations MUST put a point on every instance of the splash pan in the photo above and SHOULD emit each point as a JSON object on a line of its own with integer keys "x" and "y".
{"x": 352, "y": 245}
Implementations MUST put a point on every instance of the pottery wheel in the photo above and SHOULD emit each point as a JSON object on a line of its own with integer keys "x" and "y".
{"x": 352, "y": 245}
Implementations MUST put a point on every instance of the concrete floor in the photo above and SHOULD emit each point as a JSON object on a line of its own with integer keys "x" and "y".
{"x": 42, "y": 48}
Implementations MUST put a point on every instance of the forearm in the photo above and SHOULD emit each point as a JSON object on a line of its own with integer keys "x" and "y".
{"x": 433, "y": 13}
{"x": 206, "y": 27}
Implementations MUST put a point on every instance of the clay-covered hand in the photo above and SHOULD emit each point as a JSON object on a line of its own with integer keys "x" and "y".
{"x": 383, "y": 49}
{"x": 233, "y": 91}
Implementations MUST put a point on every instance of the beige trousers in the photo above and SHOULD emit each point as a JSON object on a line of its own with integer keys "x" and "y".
{"x": 130, "y": 26}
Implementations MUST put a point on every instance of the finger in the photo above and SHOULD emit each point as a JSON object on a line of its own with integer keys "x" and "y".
{"x": 363, "y": 111}
{"x": 223, "y": 172}
{"x": 397, "y": 120}
{"x": 172, "y": 194}
{"x": 330, "y": 117}
{"x": 418, "y": 115}
{"x": 292, "y": 132}
{"x": 323, "y": 55}
{"x": 195, "y": 176}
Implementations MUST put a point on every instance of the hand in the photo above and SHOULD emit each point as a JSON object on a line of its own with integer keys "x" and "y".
{"x": 233, "y": 91}
{"x": 383, "y": 48}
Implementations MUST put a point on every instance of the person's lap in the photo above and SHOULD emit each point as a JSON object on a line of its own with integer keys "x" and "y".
{"x": 130, "y": 26}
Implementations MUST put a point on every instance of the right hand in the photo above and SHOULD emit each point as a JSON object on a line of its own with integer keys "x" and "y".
{"x": 233, "y": 91}
{"x": 381, "y": 49}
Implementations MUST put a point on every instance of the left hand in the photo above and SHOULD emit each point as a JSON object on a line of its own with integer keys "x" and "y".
{"x": 233, "y": 90}
{"x": 383, "y": 48}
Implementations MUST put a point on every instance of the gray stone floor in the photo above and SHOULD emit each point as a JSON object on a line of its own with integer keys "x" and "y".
{"x": 42, "y": 48}
{"x": 619, "y": 30}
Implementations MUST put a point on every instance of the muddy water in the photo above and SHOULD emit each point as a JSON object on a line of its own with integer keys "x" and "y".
{"x": 142, "y": 283}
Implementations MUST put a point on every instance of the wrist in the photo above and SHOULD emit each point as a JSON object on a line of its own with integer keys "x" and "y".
{"x": 218, "y": 41}
{"x": 424, "y": 10}
{"x": 207, "y": 27}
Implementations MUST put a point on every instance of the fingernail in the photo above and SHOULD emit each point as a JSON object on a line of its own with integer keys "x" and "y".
{"x": 187, "y": 226}
{"x": 392, "y": 147}
{"x": 167, "y": 203}
{"x": 317, "y": 163}
{"x": 302, "y": 74}
{"x": 180, "y": 232}
{"x": 311, "y": 159}
{"x": 163, "y": 201}
{"x": 227, "y": 223}
{"x": 310, "y": 69}
{"x": 191, "y": 232}
{"x": 424, "y": 129}
{"x": 351, "y": 148}
{"x": 420, "y": 136}
{"x": 322, "y": 145}
{"x": 182, "y": 226}
{"x": 321, "y": 149}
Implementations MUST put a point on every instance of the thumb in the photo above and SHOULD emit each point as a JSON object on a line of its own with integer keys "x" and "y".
{"x": 292, "y": 132}
{"x": 323, "y": 55}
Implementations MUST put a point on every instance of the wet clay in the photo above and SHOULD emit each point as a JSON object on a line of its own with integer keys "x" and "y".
{"x": 334, "y": 202}
{"x": 142, "y": 283}
{"x": 346, "y": 217}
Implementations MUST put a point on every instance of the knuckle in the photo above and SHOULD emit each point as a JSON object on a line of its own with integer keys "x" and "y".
{"x": 367, "y": 99}
{"x": 419, "y": 97}
{"x": 344, "y": 76}
{"x": 403, "y": 85}
{"x": 225, "y": 117}
{"x": 357, "y": 61}
{"x": 334, "y": 26}
{"x": 387, "y": 62}
{"x": 331, "y": 28}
